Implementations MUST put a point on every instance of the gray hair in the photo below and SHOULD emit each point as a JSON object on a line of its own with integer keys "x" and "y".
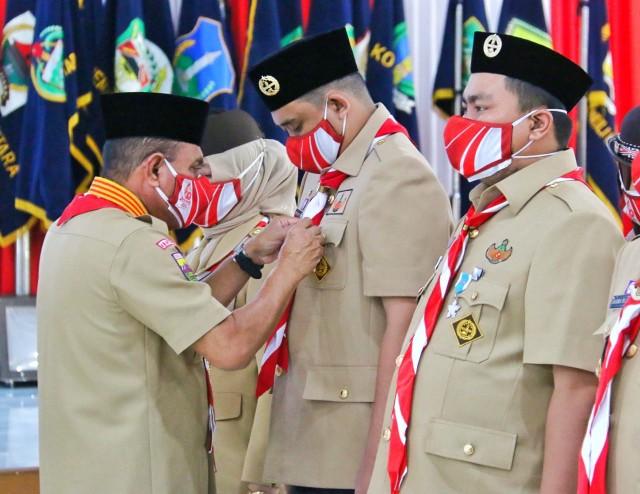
{"x": 122, "y": 156}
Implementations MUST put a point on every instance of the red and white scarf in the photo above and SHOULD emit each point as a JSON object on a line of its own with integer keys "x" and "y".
{"x": 592, "y": 467}
{"x": 276, "y": 355}
{"x": 397, "y": 467}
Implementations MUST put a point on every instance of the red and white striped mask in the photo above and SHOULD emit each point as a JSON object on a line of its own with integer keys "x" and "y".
{"x": 478, "y": 149}
{"x": 630, "y": 186}
{"x": 318, "y": 149}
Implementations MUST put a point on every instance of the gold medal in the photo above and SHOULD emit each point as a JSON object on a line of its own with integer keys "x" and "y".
{"x": 322, "y": 268}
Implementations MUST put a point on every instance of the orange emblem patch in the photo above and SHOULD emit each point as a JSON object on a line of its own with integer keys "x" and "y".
{"x": 500, "y": 253}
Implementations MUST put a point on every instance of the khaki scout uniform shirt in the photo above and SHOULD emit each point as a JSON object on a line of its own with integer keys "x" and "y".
{"x": 123, "y": 405}
{"x": 386, "y": 227}
{"x": 479, "y": 409}
{"x": 241, "y": 419}
{"x": 623, "y": 476}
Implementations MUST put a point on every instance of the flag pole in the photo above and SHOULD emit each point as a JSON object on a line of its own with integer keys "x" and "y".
{"x": 23, "y": 256}
{"x": 584, "y": 104}
{"x": 456, "y": 204}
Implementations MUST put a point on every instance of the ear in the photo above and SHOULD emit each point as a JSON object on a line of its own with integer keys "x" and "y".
{"x": 151, "y": 167}
{"x": 338, "y": 102}
{"x": 541, "y": 126}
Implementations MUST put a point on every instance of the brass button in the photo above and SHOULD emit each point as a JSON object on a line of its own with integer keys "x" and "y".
{"x": 468, "y": 449}
{"x": 278, "y": 371}
{"x": 386, "y": 435}
{"x": 344, "y": 393}
{"x": 631, "y": 351}
{"x": 474, "y": 296}
{"x": 398, "y": 361}
{"x": 474, "y": 233}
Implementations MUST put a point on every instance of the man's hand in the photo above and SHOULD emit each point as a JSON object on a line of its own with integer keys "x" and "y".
{"x": 302, "y": 249}
{"x": 264, "y": 247}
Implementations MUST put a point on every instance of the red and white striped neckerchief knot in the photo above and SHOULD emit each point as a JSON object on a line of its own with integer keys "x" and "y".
{"x": 397, "y": 466}
{"x": 592, "y": 468}
{"x": 275, "y": 360}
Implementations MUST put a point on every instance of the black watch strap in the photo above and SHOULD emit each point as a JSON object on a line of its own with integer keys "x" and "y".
{"x": 247, "y": 265}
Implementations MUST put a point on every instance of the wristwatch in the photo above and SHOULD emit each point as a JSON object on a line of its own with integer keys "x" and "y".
{"x": 246, "y": 264}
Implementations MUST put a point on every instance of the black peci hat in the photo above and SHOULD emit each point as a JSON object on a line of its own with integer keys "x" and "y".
{"x": 530, "y": 62}
{"x": 228, "y": 129}
{"x": 302, "y": 67}
{"x": 154, "y": 115}
{"x": 625, "y": 146}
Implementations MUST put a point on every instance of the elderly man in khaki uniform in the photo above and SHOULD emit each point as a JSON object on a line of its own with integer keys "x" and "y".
{"x": 268, "y": 190}
{"x": 614, "y": 419}
{"x": 386, "y": 219}
{"x": 495, "y": 380}
{"x": 123, "y": 322}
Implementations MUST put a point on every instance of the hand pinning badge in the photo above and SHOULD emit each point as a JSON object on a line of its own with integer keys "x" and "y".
{"x": 464, "y": 280}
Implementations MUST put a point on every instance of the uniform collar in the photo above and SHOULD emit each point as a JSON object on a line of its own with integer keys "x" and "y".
{"x": 121, "y": 196}
{"x": 520, "y": 187}
{"x": 352, "y": 158}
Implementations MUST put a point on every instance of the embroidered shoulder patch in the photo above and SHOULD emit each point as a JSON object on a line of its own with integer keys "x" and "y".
{"x": 339, "y": 203}
{"x": 185, "y": 269}
{"x": 165, "y": 243}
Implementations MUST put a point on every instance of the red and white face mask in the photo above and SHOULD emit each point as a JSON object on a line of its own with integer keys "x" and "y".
{"x": 318, "y": 149}
{"x": 630, "y": 184}
{"x": 478, "y": 149}
{"x": 202, "y": 202}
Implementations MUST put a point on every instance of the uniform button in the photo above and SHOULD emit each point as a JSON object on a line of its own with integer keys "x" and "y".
{"x": 474, "y": 295}
{"x": 344, "y": 393}
{"x": 474, "y": 233}
{"x": 398, "y": 361}
{"x": 468, "y": 449}
{"x": 278, "y": 371}
{"x": 386, "y": 435}
{"x": 631, "y": 351}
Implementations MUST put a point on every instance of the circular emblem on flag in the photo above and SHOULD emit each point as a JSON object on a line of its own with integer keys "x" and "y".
{"x": 269, "y": 85}
{"x": 492, "y": 46}
{"x": 141, "y": 65}
{"x": 17, "y": 40}
{"x": 47, "y": 64}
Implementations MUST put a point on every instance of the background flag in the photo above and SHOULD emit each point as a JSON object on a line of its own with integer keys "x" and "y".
{"x": 47, "y": 180}
{"x": 17, "y": 38}
{"x": 603, "y": 174}
{"x": 203, "y": 60}
{"x": 525, "y": 20}
{"x": 389, "y": 68}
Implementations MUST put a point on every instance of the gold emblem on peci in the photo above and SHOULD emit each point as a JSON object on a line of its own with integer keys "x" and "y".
{"x": 269, "y": 85}
{"x": 322, "y": 268}
{"x": 466, "y": 330}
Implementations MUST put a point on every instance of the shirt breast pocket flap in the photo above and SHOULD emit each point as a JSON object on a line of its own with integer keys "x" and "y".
{"x": 462, "y": 442}
{"x": 228, "y": 406}
{"x": 341, "y": 384}
{"x": 473, "y": 331}
{"x": 331, "y": 272}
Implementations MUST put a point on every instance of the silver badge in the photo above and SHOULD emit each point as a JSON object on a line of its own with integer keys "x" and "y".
{"x": 492, "y": 46}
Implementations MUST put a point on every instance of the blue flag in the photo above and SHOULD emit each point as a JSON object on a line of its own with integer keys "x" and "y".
{"x": 47, "y": 179}
{"x": 361, "y": 32}
{"x": 140, "y": 64}
{"x": 327, "y": 15}
{"x": 601, "y": 169}
{"x": 524, "y": 20}
{"x": 389, "y": 68}
{"x": 474, "y": 19}
{"x": 202, "y": 60}
{"x": 17, "y": 38}
{"x": 290, "y": 17}
{"x": 265, "y": 36}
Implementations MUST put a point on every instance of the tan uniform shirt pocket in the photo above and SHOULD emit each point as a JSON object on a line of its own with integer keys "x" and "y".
{"x": 228, "y": 406}
{"x": 471, "y": 444}
{"x": 341, "y": 384}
